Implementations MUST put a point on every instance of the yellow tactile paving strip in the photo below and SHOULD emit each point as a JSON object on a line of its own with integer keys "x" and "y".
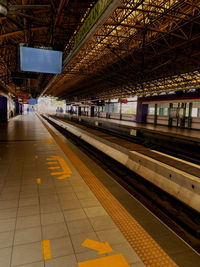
{"x": 144, "y": 245}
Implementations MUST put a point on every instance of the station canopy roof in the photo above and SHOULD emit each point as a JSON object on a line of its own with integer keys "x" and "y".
{"x": 111, "y": 48}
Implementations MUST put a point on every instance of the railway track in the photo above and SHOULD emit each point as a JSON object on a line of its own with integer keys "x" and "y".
{"x": 179, "y": 217}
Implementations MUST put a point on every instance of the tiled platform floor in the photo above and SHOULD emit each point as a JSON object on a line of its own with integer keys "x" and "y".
{"x": 63, "y": 211}
{"x": 181, "y": 253}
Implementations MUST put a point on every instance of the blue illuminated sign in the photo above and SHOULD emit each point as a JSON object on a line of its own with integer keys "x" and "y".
{"x": 40, "y": 60}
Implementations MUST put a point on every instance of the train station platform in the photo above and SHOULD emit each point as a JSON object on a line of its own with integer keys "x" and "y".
{"x": 162, "y": 129}
{"x": 175, "y": 141}
{"x": 55, "y": 211}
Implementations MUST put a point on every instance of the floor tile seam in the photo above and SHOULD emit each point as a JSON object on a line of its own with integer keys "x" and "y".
{"x": 50, "y": 224}
{"x": 15, "y": 228}
{"x": 69, "y": 236}
{"x": 88, "y": 219}
{"x": 27, "y": 228}
{"x": 7, "y": 231}
{"x": 6, "y": 247}
{"x": 57, "y": 257}
{"x": 39, "y": 241}
{"x": 4, "y": 183}
{"x": 74, "y": 159}
{"x": 8, "y": 208}
{"x": 62, "y": 211}
{"x": 26, "y": 264}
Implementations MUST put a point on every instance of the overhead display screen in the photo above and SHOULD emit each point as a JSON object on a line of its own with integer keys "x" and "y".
{"x": 40, "y": 60}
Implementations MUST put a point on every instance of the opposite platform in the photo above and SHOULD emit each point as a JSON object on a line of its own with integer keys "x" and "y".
{"x": 177, "y": 132}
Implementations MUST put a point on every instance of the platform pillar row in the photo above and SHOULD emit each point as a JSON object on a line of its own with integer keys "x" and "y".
{"x": 142, "y": 110}
{"x": 3, "y": 109}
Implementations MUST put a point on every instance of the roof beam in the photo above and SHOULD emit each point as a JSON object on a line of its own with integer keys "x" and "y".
{"x": 26, "y": 35}
{"x": 101, "y": 20}
{"x": 142, "y": 27}
{"x": 60, "y": 9}
{"x": 57, "y": 17}
{"x": 5, "y": 35}
{"x": 53, "y": 5}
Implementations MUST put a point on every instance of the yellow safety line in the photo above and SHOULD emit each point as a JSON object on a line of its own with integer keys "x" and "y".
{"x": 144, "y": 245}
{"x": 46, "y": 249}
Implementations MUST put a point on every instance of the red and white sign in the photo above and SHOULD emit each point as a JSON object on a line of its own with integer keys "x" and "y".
{"x": 123, "y": 100}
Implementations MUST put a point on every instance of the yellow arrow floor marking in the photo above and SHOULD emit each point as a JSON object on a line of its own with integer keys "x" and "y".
{"x": 117, "y": 260}
{"x": 98, "y": 246}
{"x": 57, "y": 173}
{"x": 63, "y": 176}
{"x": 47, "y": 141}
{"x": 46, "y": 249}
{"x": 53, "y": 168}
{"x": 66, "y": 171}
{"x": 38, "y": 181}
{"x": 50, "y": 142}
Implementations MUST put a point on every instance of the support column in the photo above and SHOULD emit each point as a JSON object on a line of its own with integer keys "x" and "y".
{"x": 79, "y": 111}
{"x": 190, "y": 116}
{"x": 182, "y": 119}
{"x": 92, "y": 111}
{"x": 3, "y": 109}
{"x": 142, "y": 110}
{"x": 170, "y": 120}
{"x": 108, "y": 110}
{"x": 120, "y": 111}
{"x": 155, "y": 114}
{"x": 17, "y": 107}
{"x": 98, "y": 111}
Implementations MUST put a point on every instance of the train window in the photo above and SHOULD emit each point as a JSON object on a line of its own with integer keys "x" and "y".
{"x": 187, "y": 112}
{"x": 194, "y": 112}
{"x": 166, "y": 112}
{"x": 114, "y": 108}
{"x": 151, "y": 111}
{"x": 163, "y": 109}
{"x": 196, "y": 109}
{"x": 129, "y": 108}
